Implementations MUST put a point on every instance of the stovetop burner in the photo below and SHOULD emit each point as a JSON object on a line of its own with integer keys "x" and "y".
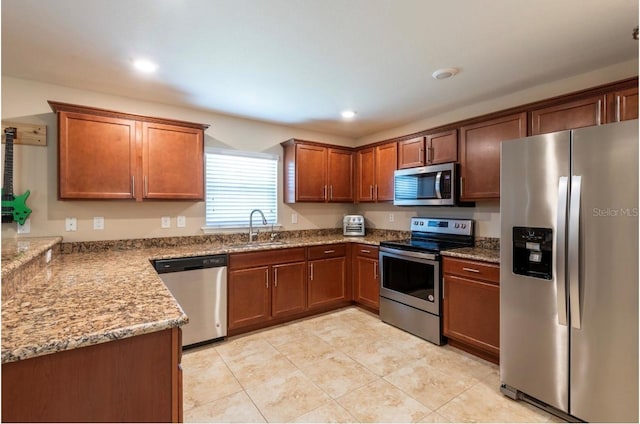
{"x": 434, "y": 235}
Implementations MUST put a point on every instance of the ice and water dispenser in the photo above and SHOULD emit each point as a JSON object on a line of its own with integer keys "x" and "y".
{"x": 532, "y": 252}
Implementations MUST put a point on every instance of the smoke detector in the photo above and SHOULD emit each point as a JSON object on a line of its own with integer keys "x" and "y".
{"x": 444, "y": 73}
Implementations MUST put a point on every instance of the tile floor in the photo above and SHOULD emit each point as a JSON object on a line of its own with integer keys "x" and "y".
{"x": 344, "y": 366}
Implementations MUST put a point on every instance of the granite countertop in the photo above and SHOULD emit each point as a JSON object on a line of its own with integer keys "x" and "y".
{"x": 475, "y": 254}
{"x": 82, "y": 299}
{"x": 17, "y": 252}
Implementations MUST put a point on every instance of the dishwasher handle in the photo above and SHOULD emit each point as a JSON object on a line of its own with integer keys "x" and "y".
{"x": 164, "y": 266}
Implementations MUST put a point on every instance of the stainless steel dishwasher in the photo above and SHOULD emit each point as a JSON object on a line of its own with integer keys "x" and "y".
{"x": 199, "y": 284}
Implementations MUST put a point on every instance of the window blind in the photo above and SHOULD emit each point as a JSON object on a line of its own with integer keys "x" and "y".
{"x": 237, "y": 183}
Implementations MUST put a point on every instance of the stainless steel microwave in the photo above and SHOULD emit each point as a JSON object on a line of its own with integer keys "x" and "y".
{"x": 434, "y": 185}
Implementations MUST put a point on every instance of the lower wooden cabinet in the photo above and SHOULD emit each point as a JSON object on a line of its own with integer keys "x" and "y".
{"x": 471, "y": 306}
{"x": 136, "y": 379}
{"x": 366, "y": 276}
{"x": 263, "y": 286}
{"x": 327, "y": 275}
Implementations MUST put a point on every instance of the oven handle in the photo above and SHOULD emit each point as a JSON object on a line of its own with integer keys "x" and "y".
{"x": 410, "y": 253}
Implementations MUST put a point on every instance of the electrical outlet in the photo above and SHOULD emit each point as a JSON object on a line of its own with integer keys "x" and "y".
{"x": 181, "y": 221}
{"x": 71, "y": 224}
{"x": 165, "y": 222}
{"x": 98, "y": 223}
{"x": 294, "y": 218}
{"x": 25, "y": 228}
{"x": 47, "y": 257}
{"x": 392, "y": 218}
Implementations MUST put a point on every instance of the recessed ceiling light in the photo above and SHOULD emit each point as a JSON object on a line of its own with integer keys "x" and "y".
{"x": 444, "y": 73}
{"x": 144, "y": 65}
{"x": 348, "y": 114}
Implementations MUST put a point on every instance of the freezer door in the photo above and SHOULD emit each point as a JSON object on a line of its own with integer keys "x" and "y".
{"x": 604, "y": 303}
{"x": 534, "y": 352}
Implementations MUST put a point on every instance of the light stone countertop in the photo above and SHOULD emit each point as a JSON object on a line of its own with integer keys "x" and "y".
{"x": 475, "y": 254}
{"x": 82, "y": 299}
{"x": 18, "y": 252}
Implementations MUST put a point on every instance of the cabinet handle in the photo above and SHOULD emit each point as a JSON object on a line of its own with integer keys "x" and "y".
{"x": 376, "y": 191}
{"x": 275, "y": 277}
{"x": 461, "y": 186}
{"x": 420, "y": 155}
{"x": 266, "y": 277}
{"x": 146, "y": 185}
{"x": 598, "y": 113}
{"x": 326, "y": 252}
{"x": 331, "y": 192}
{"x": 371, "y": 191}
{"x": 618, "y": 108}
{"x": 471, "y": 270}
{"x": 133, "y": 186}
{"x": 428, "y": 154}
{"x": 375, "y": 270}
{"x": 311, "y": 273}
{"x": 365, "y": 251}
{"x": 324, "y": 192}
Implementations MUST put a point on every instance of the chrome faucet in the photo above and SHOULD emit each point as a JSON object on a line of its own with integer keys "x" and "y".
{"x": 264, "y": 222}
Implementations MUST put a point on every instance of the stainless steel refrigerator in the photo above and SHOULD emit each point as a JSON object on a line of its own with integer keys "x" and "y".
{"x": 569, "y": 271}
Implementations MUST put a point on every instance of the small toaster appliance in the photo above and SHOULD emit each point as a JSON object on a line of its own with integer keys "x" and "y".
{"x": 353, "y": 225}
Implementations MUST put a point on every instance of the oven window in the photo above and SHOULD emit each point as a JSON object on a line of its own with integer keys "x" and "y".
{"x": 411, "y": 278}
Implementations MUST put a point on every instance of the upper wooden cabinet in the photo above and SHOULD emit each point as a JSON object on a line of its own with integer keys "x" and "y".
{"x": 104, "y": 154}
{"x": 315, "y": 172}
{"x": 480, "y": 154}
{"x": 622, "y": 105}
{"x": 575, "y": 114}
{"x": 375, "y": 168}
{"x": 432, "y": 149}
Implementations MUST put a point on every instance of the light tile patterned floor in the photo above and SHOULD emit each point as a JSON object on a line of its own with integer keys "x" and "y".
{"x": 344, "y": 366}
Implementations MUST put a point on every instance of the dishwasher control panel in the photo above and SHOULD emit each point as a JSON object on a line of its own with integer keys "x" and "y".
{"x": 189, "y": 263}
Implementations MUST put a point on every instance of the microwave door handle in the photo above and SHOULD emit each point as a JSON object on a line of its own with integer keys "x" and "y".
{"x": 438, "y": 192}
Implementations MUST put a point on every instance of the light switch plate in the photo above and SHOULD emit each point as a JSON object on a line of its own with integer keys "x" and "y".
{"x": 392, "y": 217}
{"x": 165, "y": 222}
{"x": 98, "y": 223}
{"x": 25, "y": 228}
{"x": 181, "y": 221}
{"x": 71, "y": 224}
{"x": 294, "y": 218}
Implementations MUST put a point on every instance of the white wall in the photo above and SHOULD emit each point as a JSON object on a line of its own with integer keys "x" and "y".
{"x": 36, "y": 167}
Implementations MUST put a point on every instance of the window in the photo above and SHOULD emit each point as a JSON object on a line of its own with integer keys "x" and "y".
{"x": 237, "y": 183}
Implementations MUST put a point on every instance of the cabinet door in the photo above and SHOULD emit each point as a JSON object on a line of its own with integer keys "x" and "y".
{"x": 386, "y": 163}
{"x": 566, "y": 116}
{"x": 366, "y": 174}
{"x": 411, "y": 153}
{"x": 625, "y": 105}
{"x": 442, "y": 147}
{"x": 96, "y": 157}
{"x": 480, "y": 154}
{"x": 327, "y": 282}
{"x": 311, "y": 173}
{"x": 172, "y": 162}
{"x": 249, "y": 300}
{"x": 366, "y": 283}
{"x": 288, "y": 293}
{"x": 472, "y": 312}
{"x": 340, "y": 175}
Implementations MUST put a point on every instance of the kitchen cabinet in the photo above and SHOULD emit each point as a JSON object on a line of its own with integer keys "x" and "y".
{"x": 366, "y": 277}
{"x": 315, "y": 172}
{"x": 104, "y": 154}
{"x": 432, "y": 149}
{"x": 265, "y": 285}
{"x": 135, "y": 379}
{"x": 480, "y": 154}
{"x": 622, "y": 105}
{"x": 375, "y": 168}
{"x": 573, "y": 114}
{"x": 471, "y": 306}
{"x": 327, "y": 276}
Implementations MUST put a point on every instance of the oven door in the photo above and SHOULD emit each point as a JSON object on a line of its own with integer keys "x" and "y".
{"x": 412, "y": 278}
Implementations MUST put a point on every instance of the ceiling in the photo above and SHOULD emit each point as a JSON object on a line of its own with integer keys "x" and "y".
{"x": 301, "y": 62}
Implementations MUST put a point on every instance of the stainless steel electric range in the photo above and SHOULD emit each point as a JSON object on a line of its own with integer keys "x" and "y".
{"x": 410, "y": 274}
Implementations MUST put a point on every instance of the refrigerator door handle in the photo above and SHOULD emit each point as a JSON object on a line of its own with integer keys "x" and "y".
{"x": 561, "y": 248}
{"x": 574, "y": 251}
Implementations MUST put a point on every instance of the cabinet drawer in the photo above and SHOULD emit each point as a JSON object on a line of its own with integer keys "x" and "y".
{"x": 472, "y": 269}
{"x": 327, "y": 251}
{"x": 365, "y": 250}
{"x": 265, "y": 257}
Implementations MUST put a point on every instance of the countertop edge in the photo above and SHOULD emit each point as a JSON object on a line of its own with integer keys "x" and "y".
{"x": 474, "y": 254}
